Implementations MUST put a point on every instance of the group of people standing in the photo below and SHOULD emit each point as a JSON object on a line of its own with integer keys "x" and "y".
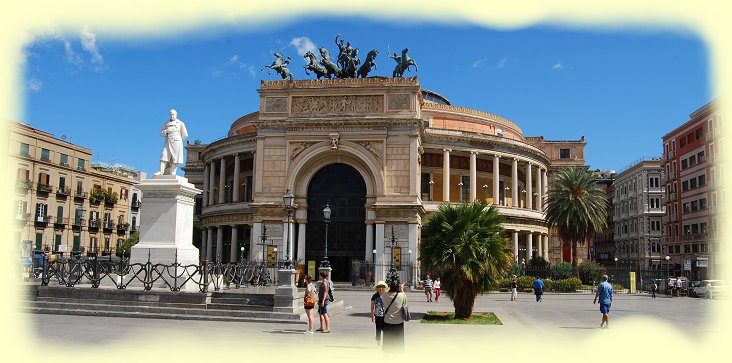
{"x": 319, "y": 296}
{"x": 431, "y": 286}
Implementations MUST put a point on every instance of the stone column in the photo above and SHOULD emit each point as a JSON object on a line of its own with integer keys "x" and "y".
{"x": 209, "y": 245}
{"x": 546, "y": 182}
{"x": 529, "y": 196}
{"x": 369, "y": 242}
{"x": 255, "y": 252}
{"x": 303, "y": 223}
{"x": 545, "y": 237}
{"x": 529, "y": 246}
{"x": 446, "y": 175}
{"x": 219, "y": 243}
{"x": 514, "y": 183}
{"x": 202, "y": 253}
{"x": 496, "y": 178}
{"x": 222, "y": 182}
{"x": 206, "y": 171}
{"x": 288, "y": 234}
{"x": 539, "y": 203}
{"x": 380, "y": 271}
{"x": 234, "y": 252}
{"x": 237, "y": 170}
{"x": 473, "y": 176}
{"x": 515, "y": 246}
{"x": 211, "y": 183}
{"x": 254, "y": 173}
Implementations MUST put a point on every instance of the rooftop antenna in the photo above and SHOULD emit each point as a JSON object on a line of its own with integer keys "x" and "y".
{"x": 63, "y": 137}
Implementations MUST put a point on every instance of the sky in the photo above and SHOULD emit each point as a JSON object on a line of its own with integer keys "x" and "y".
{"x": 620, "y": 89}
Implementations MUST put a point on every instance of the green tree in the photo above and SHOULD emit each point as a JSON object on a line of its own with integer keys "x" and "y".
{"x": 468, "y": 244}
{"x": 126, "y": 246}
{"x": 577, "y": 206}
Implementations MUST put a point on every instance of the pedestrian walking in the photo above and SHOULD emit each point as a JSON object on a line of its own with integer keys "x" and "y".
{"x": 428, "y": 287}
{"x": 309, "y": 302}
{"x": 605, "y": 295}
{"x": 538, "y": 289}
{"x": 654, "y": 287}
{"x": 437, "y": 286}
{"x": 377, "y": 310}
{"x": 679, "y": 284}
{"x": 393, "y": 320}
{"x": 514, "y": 288}
{"x": 323, "y": 301}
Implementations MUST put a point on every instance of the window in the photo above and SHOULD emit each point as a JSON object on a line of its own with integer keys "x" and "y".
{"x": 79, "y": 187}
{"x": 44, "y": 179}
{"x": 692, "y": 183}
{"x": 465, "y": 189}
{"x": 703, "y": 227}
{"x": 123, "y": 193}
{"x": 59, "y": 214}
{"x": 702, "y": 180}
{"x": 684, "y": 164}
{"x": 80, "y": 164}
{"x": 686, "y": 207}
{"x": 684, "y": 185}
{"x": 45, "y": 154}
{"x": 425, "y": 186}
{"x": 249, "y": 189}
{"x": 24, "y": 149}
{"x": 61, "y": 182}
{"x": 41, "y": 212}
{"x": 564, "y": 153}
{"x": 694, "y": 206}
{"x": 692, "y": 160}
{"x": 64, "y": 160}
{"x": 703, "y": 203}
{"x": 700, "y": 157}
{"x": 699, "y": 133}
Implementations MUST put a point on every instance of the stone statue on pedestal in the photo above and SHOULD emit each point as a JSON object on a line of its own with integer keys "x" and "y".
{"x": 174, "y": 131}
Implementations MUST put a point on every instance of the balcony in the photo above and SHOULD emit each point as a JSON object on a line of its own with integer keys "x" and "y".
{"x": 60, "y": 223}
{"x": 123, "y": 227}
{"x": 24, "y": 185}
{"x": 64, "y": 164}
{"x": 135, "y": 204}
{"x": 672, "y": 175}
{"x": 23, "y": 217}
{"x": 42, "y": 219}
{"x": 94, "y": 223}
{"x": 64, "y": 191}
{"x": 108, "y": 226}
{"x": 695, "y": 236}
{"x": 78, "y": 222}
{"x": 44, "y": 188}
{"x": 80, "y": 194}
{"x": 134, "y": 228}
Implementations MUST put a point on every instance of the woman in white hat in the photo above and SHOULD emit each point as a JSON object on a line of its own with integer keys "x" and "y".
{"x": 377, "y": 310}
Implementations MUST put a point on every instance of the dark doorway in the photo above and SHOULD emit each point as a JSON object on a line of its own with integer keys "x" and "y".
{"x": 342, "y": 187}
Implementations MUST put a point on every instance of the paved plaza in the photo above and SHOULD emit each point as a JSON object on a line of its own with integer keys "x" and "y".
{"x": 561, "y": 317}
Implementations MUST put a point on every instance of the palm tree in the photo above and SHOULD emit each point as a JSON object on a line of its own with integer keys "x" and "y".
{"x": 577, "y": 206}
{"x": 468, "y": 244}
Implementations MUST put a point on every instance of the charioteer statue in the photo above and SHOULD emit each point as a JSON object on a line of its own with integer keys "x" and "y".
{"x": 280, "y": 66}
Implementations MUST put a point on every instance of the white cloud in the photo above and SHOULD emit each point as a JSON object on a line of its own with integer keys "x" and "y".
{"x": 71, "y": 55}
{"x": 252, "y": 71}
{"x": 558, "y": 66}
{"x": 35, "y": 84}
{"x": 303, "y": 45}
{"x": 501, "y": 64}
{"x": 478, "y": 63}
{"x": 234, "y": 59}
{"x": 89, "y": 44}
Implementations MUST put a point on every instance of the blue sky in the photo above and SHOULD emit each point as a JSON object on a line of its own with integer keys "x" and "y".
{"x": 622, "y": 90}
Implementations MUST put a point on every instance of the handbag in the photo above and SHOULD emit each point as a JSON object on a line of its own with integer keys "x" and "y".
{"x": 405, "y": 310}
{"x": 309, "y": 300}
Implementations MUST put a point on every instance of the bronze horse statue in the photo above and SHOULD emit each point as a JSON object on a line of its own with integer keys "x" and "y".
{"x": 331, "y": 68}
{"x": 280, "y": 66}
{"x": 403, "y": 63}
{"x": 365, "y": 68}
{"x": 314, "y": 66}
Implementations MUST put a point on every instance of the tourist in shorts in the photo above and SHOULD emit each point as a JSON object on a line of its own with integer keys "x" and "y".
{"x": 377, "y": 309}
{"x": 428, "y": 287}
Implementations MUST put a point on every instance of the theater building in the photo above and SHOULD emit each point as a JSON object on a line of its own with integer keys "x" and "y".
{"x": 383, "y": 153}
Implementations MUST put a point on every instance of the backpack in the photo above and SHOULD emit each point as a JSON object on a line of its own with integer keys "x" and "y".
{"x": 309, "y": 300}
{"x": 330, "y": 294}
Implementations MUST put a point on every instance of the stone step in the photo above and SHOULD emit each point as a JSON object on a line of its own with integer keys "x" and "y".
{"x": 148, "y": 315}
{"x": 243, "y": 301}
{"x": 249, "y": 307}
{"x": 120, "y": 302}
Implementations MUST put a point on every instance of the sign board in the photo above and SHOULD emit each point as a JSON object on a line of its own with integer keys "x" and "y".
{"x": 271, "y": 256}
{"x": 632, "y": 282}
{"x": 63, "y": 248}
{"x": 311, "y": 269}
{"x": 396, "y": 254}
{"x": 687, "y": 265}
{"x": 702, "y": 262}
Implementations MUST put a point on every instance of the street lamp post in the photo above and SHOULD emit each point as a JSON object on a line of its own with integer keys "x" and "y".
{"x": 241, "y": 257}
{"x": 393, "y": 245}
{"x": 667, "y": 271}
{"x": 288, "y": 199}
{"x": 326, "y": 220}
{"x": 616, "y": 268}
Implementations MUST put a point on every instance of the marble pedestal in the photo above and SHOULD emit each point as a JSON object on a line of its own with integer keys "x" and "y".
{"x": 286, "y": 299}
{"x": 166, "y": 222}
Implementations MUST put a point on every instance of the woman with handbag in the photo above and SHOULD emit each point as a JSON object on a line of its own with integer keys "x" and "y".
{"x": 394, "y": 300}
{"x": 309, "y": 303}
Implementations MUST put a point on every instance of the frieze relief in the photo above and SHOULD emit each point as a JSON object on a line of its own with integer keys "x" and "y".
{"x": 318, "y": 105}
{"x": 298, "y": 147}
{"x": 399, "y": 101}
{"x": 373, "y": 147}
{"x": 275, "y": 104}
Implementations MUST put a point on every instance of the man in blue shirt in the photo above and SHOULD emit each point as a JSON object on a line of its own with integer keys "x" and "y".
{"x": 605, "y": 295}
{"x": 538, "y": 289}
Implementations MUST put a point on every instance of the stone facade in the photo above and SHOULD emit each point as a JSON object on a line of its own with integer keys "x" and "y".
{"x": 412, "y": 149}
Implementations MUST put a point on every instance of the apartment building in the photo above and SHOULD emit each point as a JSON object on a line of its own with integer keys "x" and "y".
{"x": 693, "y": 192}
{"x": 638, "y": 215}
{"x": 63, "y": 204}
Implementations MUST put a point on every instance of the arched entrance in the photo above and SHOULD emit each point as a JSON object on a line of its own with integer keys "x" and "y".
{"x": 342, "y": 187}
